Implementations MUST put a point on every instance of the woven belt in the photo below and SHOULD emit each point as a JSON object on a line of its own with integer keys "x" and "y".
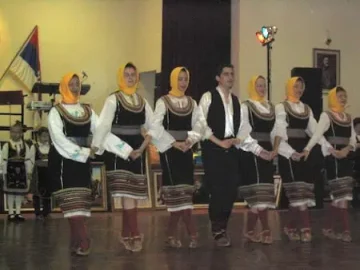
{"x": 179, "y": 135}
{"x": 126, "y": 130}
{"x": 338, "y": 140}
{"x": 296, "y": 133}
{"x": 81, "y": 141}
{"x": 261, "y": 136}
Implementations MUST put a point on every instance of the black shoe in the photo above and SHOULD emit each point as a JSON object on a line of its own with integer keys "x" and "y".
{"x": 19, "y": 218}
{"x": 11, "y": 218}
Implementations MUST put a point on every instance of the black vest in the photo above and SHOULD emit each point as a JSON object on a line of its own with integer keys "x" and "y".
{"x": 216, "y": 115}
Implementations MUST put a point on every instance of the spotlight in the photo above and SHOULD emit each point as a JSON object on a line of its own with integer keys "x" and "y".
{"x": 266, "y": 34}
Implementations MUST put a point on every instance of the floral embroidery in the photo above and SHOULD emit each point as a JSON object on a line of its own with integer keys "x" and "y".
{"x": 120, "y": 145}
{"x": 76, "y": 154}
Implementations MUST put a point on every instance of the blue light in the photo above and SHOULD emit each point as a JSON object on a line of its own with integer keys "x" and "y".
{"x": 265, "y": 32}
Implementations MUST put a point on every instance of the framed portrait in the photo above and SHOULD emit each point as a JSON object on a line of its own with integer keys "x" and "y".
{"x": 98, "y": 187}
{"x": 329, "y": 62}
{"x": 116, "y": 203}
{"x": 277, "y": 188}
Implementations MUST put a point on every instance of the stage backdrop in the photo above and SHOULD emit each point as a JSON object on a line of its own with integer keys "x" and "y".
{"x": 195, "y": 34}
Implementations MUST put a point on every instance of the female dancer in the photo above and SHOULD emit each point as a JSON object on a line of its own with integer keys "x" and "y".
{"x": 175, "y": 117}
{"x": 294, "y": 123}
{"x": 336, "y": 125}
{"x": 70, "y": 126}
{"x": 128, "y": 116}
{"x": 257, "y": 179}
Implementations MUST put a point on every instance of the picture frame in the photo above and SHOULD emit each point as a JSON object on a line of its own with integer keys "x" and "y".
{"x": 328, "y": 61}
{"x": 99, "y": 189}
{"x": 116, "y": 204}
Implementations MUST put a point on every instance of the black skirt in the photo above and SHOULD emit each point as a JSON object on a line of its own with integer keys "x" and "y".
{"x": 257, "y": 177}
{"x": 339, "y": 175}
{"x": 177, "y": 179}
{"x": 71, "y": 184}
{"x": 297, "y": 179}
{"x": 127, "y": 178}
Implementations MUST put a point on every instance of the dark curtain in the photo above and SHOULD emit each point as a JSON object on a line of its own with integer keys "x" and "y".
{"x": 196, "y": 34}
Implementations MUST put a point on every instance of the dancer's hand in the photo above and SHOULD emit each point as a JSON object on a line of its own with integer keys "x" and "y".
{"x": 345, "y": 151}
{"x": 273, "y": 154}
{"x": 305, "y": 154}
{"x": 29, "y": 197}
{"x": 236, "y": 141}
{"x": 296, "y": 156}
{"x": 181, "y": 146}
{"x": 92, "y": 152}
{"x": 226, "y": 144}
{"x": 266, "y": 155}
{"x": 135, "y": 154}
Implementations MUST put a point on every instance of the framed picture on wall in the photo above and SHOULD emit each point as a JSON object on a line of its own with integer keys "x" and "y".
{"x": 98, "y": 187}
{"x": 329, "y": 62}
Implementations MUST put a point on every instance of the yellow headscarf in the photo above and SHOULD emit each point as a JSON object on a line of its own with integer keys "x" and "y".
{"x": 333, "y": 102}
{"x": 174, "y": 82}
{"x": 290, "y": 96}
{"x": 253, "y": 94}
{"x": 121, "y": 81}
{"x": 67, "y": 96}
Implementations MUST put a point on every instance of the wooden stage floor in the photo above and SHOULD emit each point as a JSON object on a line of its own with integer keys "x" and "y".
{"x": 34, "y": 245}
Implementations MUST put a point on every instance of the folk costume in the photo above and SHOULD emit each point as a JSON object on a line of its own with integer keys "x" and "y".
{"x": 175, "y": 118}
{"x": 128, "y": 115}
{"x": 71, "y": 125}
{"x": 17, "y": 168}
{"x": 336, "y": 125}
{"x": 40, "y": 186}
{"x": 258, "y": 174}
{"x": 221, "y": 118}
{"x": 294, "y": 124}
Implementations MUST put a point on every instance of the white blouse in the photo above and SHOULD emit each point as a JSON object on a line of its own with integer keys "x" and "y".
{"x": 247, "y": 142}
{"x": 19, "y": 145}
{"x": 108, "y": 113}
{"x": 165, "y": 139}
{"x": 281, "y": 125}
{"x": 321, "y": 128}
{"x": 70, "y": 150}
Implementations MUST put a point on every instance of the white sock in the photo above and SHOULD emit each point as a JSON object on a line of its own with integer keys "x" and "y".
{"x": 18, "y": 202}
{"x": 10, "y": 202}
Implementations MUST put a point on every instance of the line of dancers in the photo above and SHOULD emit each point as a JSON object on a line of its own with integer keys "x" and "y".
{"x": 222, "y": 125}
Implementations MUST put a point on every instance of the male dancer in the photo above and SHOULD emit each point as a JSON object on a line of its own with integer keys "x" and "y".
{"x": 220, "y": 117}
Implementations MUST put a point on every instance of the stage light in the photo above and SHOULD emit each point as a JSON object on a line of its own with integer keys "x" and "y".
{"x": 266, "y": 34}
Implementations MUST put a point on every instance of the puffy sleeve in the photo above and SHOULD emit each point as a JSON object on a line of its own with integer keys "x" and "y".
{"x": 321, "y": 128}
{"x": 5, "y": 156}
{"x": 194, "y": 135}
{"x": 247, "y": 144}
{"x": 65, "y": 147}
{"x": 280, "y": 130}
{"x": 203, "y": 110}
{"x": 310, "y": 130}
{"x": 353, "y": 137}
{"x": 29, "y": 159}
{"x": 148, "y": 125}
{"x": 105, "y": 120}
{"x": 111, "y": 143}
{"x": 163, "y": 140}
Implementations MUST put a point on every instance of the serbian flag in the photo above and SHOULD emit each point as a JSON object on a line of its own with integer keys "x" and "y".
{"x": 26, "y": 65}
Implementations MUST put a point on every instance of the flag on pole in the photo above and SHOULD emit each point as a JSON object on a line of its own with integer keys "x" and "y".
{"x": 26, "y": 65}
